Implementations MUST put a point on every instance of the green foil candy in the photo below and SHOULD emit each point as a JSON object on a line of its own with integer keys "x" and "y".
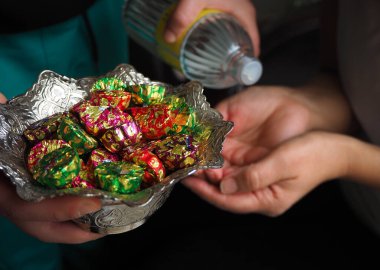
{"x": 147, "y": 94}
{"x": 58, "y": 168}
{"x": 76, "y": 136}
{"x": 121, "y": 177}
{"x": 108, "y": 84}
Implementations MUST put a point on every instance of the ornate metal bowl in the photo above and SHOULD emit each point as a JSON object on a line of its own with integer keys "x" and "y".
{"x": 53, "y": 93}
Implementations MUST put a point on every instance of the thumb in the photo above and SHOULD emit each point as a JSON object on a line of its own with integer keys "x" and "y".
{"x": 184, "y": 14}
{"x": 257, "y": 176}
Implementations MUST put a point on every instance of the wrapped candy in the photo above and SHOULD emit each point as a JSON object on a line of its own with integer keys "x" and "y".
{"x": 154, "y": 169}
{"x": 81, "y": 182}
{"x": 44, "y": 129}
{"x": 147, "y": 94}
{"x": 58, "y": 168}
{"x": 155, "y": 121}
{"x": 108, "y": 84}
{"x": 177, "y": 152}
{"x": 76, "y": 136}
{"x": 117, "y": 138}
{"x": 184, "y": 116}
{"x": 121, "y": 177}
{"x": 143, "y": 145}
{"x": 44, "y": 147}
{"x": 85, "y": 178}
{"x": 99, "y": 156}
{"x": 80, "y": 107}
{"x": 158, "y": 137}
{"x": 98, "y": 119}
{"x": 113, "y": 99}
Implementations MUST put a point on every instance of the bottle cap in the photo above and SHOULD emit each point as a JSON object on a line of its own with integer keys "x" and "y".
{"x": 250, "y": 71}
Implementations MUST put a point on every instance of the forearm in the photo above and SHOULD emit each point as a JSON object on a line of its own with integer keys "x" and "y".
{"x": 329, "y": 108}
{"x": 363, "y": 163}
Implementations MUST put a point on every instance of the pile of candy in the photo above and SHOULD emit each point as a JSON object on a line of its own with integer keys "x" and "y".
{"x": 122, "y": 139}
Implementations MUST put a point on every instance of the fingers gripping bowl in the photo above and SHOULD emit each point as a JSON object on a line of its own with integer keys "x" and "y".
{"x": 53, "y": 94}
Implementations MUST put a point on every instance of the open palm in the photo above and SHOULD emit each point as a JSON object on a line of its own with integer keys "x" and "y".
{"x": 264, "y": 117}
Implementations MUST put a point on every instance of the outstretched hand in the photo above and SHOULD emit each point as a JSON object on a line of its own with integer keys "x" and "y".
{"x": 264, "y": 117}
{"x": 286, "y": 174}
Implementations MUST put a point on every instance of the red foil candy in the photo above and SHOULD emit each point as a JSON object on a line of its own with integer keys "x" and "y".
{"x": 154, "y": 121}
{"x": 113, "y": 99}
{"x": 154, "y": 169}
{"x": 99, "y": 156}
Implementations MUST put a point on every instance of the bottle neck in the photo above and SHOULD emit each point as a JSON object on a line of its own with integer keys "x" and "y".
{"x": 246, "y": 70}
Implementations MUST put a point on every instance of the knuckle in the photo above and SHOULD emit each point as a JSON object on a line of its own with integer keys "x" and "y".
{"x": 181, "y": 21}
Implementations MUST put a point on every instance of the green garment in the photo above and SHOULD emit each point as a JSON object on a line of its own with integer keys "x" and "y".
{"x": 65, "y": 48}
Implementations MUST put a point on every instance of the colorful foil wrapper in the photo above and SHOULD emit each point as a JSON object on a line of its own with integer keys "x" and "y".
{"x": 147, "y": 94}
{"x": 85, "y": 178}
{"x": 154, "y": 139}
{"x": 114, "y": 99}
{"x": 41, "y": 149}
{"x": 80, "y": 107}
{"x": 154, "y": 121}
{"x": 184, "y": 117}
{"x": 98, "y": 119}
{"x": 154, "y": 169}
{"x": 118, "y": 138}
{"x": 177, "y": 152}
{"x": 58, "y": 168}
{"x": 99, "y": 156}
{"x": 121, "y": 177}
{"x": 76, "y": 136}
{"x": 44, "y": 129}
{"x": 143, "y": 145}
{"x": 108, "y": 84}
{"x": 81, "y": 181}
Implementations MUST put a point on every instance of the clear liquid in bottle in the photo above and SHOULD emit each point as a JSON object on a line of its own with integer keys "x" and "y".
{"x": 214, "y": 50}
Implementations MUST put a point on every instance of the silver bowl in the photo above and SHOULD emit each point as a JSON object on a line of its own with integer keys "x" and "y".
{"x": 53, "y": 93}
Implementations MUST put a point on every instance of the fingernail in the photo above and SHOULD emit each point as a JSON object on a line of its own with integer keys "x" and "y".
{"x": 228, "y": 186}
{"x": 170, "y": 37}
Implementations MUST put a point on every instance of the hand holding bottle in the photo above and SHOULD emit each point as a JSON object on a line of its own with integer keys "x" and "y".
{"x": 214, "y": 47}
{"x": 187, "y": 11}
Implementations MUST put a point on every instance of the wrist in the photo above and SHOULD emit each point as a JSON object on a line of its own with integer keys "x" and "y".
{"x": 329, "y": 109}
{"x": 363, "y": 162}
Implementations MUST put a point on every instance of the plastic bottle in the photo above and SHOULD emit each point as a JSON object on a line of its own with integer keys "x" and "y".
{"x": 214, "y": 50}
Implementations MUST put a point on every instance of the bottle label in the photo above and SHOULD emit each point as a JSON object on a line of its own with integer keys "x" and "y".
{"x": 170, "y": 52}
